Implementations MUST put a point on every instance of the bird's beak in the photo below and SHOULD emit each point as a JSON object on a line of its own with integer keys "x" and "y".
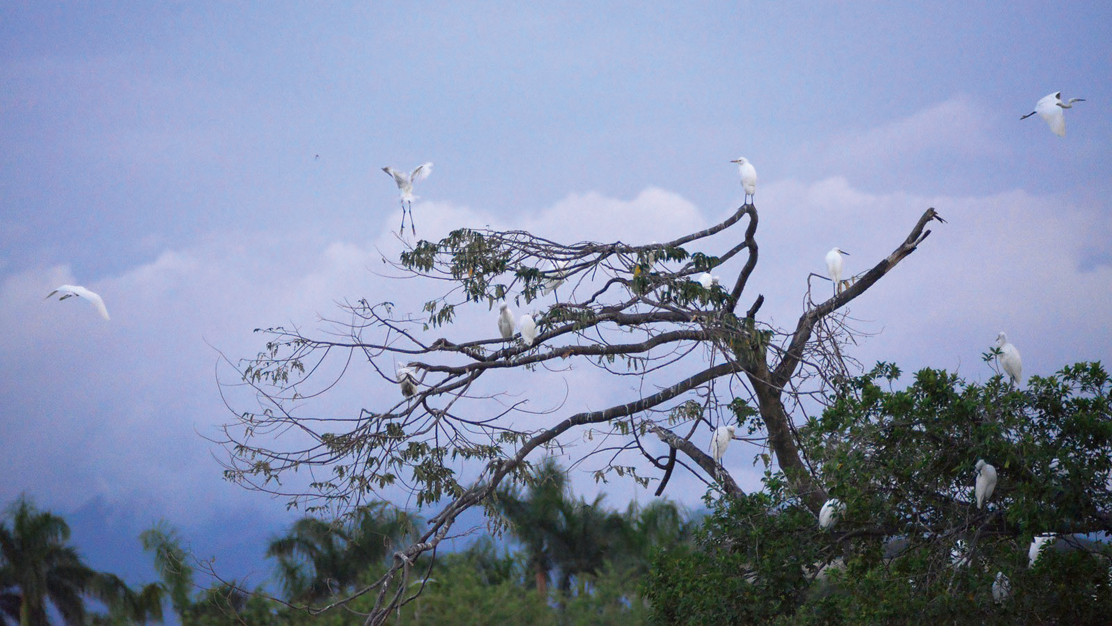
{"x": 844, "y": 252}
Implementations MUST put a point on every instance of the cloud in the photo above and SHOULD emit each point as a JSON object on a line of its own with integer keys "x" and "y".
{"x": 117, "y": 409}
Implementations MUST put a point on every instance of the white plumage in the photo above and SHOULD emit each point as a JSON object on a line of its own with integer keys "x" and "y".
{"x": 405, "y": 186}
{"x": 1001, "y": 588}
{"x": 720, "y": 441}
{"x": 748, "y": 177}
{"x": 69, "y": 291}
{"x": 1009, "y": 359}
{"x": 986, "y": 482}
{"x": 830, "y": 513}
{"x": 407, "y": 380}
{"x": 528, "y": 329}
{"x": 555, "y": 276}
{"x": 834, "y": 267}
{"x": 1050, "y": 109}
{"x": 505, "y": 321}
{"x": 1036, "y": 546}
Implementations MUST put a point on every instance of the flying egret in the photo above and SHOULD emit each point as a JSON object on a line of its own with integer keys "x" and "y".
{"x": 505, "y": 321}
{"x": 1009, "y": 359}
{"x": 407, "y": 380}
{"x": 1050, "y": 109}
{"x": 69, "y": 291}
{"x": 830, "y": 513}
{"x": 1036, "y": 545}
{"x": 405, "y": 185}
{"x": 528, "y": 329}
{"x": 707, "y": 281}
{"x": 986, "y": 482}
{"x": 748, "y": 176}
{"x": 720, "y": 441}
{"x": 1001, "y": 588}
{"x": 834, "y": 267}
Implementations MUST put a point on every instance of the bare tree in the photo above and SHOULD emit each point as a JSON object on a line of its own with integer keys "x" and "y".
{"x": 631, "y": 311}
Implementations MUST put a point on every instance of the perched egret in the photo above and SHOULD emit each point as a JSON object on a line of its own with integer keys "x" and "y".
{"x": 707, "y": 281}
{"x": 720, "y": 441}
{"x": 1001, "y": 588}
{"x": 505, "y": 321}
{"x": 986, "y": 482}
{"x": 834, "y": 267}
{"x": 830, "y": 513}
{"x": 405, "y": 185}
{"x": 407, "y": 380}
{"x": 748, "y": 177}
{"x": 69, "y": 291}
{"x": 1036, "y": 546}
{"x": 528, "y": 329}
{"x": 1050, "y": 109}
{"x": 1009, "y": 359}
{"x": 555, "y": 276}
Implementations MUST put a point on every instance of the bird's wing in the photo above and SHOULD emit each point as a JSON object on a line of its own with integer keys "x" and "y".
{"x": 97, "y": 301}
{"x": 1057, "y": 123}
{"x": 421, "y": 173}
{"x": 399, "y": 178}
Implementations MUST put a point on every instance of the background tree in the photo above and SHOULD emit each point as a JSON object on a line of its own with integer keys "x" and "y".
{"x": 37, "y": 567}
{"x": 317, "y": 560}
{"x": 629, "y": 310}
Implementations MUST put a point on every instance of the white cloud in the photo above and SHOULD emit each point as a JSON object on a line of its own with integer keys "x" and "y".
{"x": 114, "y": 409}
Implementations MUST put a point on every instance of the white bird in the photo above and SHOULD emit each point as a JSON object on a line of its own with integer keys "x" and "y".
{"x": 528, "y": 329}
{"x": 720, "y": 441}
{"x": 505, "y": 321}
{"x": 830, "y": 513}
{"x": 1050, "y": 109}
{"x": 834, "y": 267}
{"x": 1036, "y": 546}
{"x": 556, "y": 276}
{"x": 986, "y": 482}
{"x": 748, "y": 176}
{"x": 707, "y": 281}
{"x": 1001, "y": 588}
{"x": 407, "y": 380}
{"x": 405, "y": 185}
{"x": 69, "y": 291}
{"x": 1009, "y": 359}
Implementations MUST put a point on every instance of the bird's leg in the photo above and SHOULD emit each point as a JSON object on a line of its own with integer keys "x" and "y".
{"x": 402, "y": 229}
{"x": 412, "y": 226}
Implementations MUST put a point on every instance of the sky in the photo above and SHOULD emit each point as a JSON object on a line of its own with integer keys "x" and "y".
{"x": 210, "y": 169}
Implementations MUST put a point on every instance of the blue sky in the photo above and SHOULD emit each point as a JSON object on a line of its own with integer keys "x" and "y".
{"x": 165, "y": 156}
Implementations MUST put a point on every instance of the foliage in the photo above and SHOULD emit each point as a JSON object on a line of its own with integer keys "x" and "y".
{"x": 902, "y": 460}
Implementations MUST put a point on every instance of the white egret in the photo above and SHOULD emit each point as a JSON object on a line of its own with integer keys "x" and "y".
{"x": 720, "y": 441}
{"x": 834, "y": 267}
{"x": 405, "y": 185}
{"x": 407, "y": 380}
{"x": 555, "y": 276}
{"x": 748, "y": 177}
{"x": 830, "y": 513}
{"x": 505, "y": 321}
{"x": 528, "y": 329}
{"x": 1001, "y": 588}
{"x": 69, "y": 291}
{"x": 707, "y": 281}
{"x": 1009, "y": 359}
{"x": 986, "y": 482}
{"x": 1050, "y": 109}
{"x": 1036, "y": 546}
